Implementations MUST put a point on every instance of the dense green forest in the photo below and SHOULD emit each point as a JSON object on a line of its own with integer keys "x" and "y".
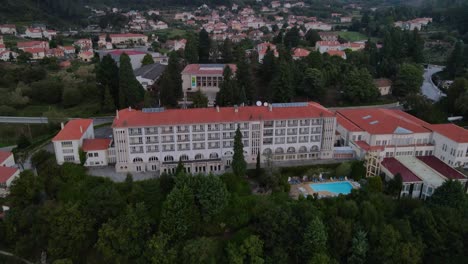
{"x": 76, "y": 218}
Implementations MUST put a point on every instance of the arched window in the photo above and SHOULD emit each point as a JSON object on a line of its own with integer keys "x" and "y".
{"x": 214, "y": 155}
{"x": 169, "y": 158}
{"x": 267, "y": 151}
{"x": 137, "y": 160}
{"x": 279, "y": 151}
{"x": 153, "y": 159}
{"x": 303, "y": 149}
{"x": 291, "y": 150}
{"x": 184, "y": 157}
{"x": 199, "y": 156}
{"x": 314, "y": 148}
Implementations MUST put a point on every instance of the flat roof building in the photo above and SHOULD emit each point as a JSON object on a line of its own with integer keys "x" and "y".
{"x": 206, "y": 77}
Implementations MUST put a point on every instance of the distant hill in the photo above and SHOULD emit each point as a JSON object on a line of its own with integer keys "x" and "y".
{"x": 56, "y": 12}
{"x": 73, "y": 12}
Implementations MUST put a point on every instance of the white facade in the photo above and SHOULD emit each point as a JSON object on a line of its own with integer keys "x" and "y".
{"x": 208, "y": 147}
{"x": 449, "y": 151}
{"x": 97, "y": 158}
{"x": 70, "y": 139}
{"x": 9, "y": 161}
{"x": 33, "y": 33}
{"x": 393, "y": 133}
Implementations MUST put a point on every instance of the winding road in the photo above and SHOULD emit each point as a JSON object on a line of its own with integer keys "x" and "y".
{"x": 428, "y": 88}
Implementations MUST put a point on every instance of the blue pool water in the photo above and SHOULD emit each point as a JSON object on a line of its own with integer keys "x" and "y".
{"x": 333, "y": 187}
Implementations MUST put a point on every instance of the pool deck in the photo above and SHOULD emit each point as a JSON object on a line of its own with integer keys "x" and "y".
{"x": 295, "y": 190}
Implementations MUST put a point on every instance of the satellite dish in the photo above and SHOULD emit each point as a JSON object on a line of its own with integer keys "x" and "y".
{"x": 265, "y": 104}
{"x": 259, "y": 103}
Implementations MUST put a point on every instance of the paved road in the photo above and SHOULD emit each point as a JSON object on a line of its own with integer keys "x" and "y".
{"x": 9, "y": 254}
{"x": 429, "y": 89}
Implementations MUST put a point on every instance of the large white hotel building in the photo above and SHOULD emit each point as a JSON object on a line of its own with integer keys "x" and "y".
{"x": 203, "y": 138}
{"x": 391, "y": 141}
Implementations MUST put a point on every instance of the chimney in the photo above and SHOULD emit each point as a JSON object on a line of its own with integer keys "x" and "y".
{"x": 129, "y": 108}
{"x": 270, "y": 107}
{"x": 117, "y": 114}
{"x": 61, "y": 125}
{"x": 81, "y": 129}
{"x": 217, "y": 108}
{"x": 236, "y": 108}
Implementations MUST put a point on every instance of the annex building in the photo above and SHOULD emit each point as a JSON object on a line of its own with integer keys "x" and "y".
{"x": 206, "y": 77}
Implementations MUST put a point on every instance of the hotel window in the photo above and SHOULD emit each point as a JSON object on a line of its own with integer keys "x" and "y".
{"x": 67, "y": 144}
{"x": 279, "y": 140}
{"x": 67, "y": 151}
{"x": 69, "y": 158}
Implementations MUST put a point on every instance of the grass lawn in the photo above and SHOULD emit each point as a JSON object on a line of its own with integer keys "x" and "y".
{"x": 172, "y": 33}
{"x": 352, "y": 36}
{"x": 10, "y": 40}
{"x": 35, "y": 110}
{"x": 9, "y": 133}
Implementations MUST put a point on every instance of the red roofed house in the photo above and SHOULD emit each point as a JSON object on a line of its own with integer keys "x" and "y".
{"x": 389, "y": 132}
{"x": 34, "y": 33}
{"x": 97, "y": 151}
{"x": 49, "y": 34}
{"x": 394, "y": 133}
{"x": 338, "y": 53}
{"x": 451, "y": 144}
{"x": 33, "y": 44}
{"x": 262, "y": 49}
{"x": 203, "y": 138}
{"x": 70, "y": 139}
{"x": 206, "y": 77}
{"x": 85, "y": 44}
{"x": 7, "y": 55}
{"x": 128, "y": 37}
{"x": 68, "y": 50}
{"x": 8, "y": 29}
{"x": 55, "y": 52}
{"x": 86, "y": 56}
{"x": 384, "y": 85}
{"x": 37, "y": 53}
{"x": 299, "y": 53}
{"x": 6, "y": 159}
{"x": 328, "y": 36}
{"x": 421, "y": 175}
{"x": 324, "y": 46}
{"x": 8, "y": 172}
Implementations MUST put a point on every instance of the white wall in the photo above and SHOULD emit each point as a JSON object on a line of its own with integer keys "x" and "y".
{"x": 9, "y": 162}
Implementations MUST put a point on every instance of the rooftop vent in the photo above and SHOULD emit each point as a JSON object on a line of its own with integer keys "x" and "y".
{"x": 374, "y": 122}
{"x": 367, "y": 117}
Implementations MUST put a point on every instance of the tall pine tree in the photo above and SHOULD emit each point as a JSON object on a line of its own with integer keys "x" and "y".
{"x": 239, "y": 166}
{"x": 244, "y": 78}
{"x": 170, "y": 86}
{"x": 228, "y": 89}
{"x": 282, "y": 88}
{"x": 227, "y": 52}
{"x": 107, "y": 75}
{"x": 191, "y": 49}
{"x": 204, "y": 43}
{"x": 131, "y": 92}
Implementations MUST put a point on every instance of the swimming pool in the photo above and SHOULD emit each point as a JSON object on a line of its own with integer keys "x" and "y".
{"x": 333, "y": 187}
